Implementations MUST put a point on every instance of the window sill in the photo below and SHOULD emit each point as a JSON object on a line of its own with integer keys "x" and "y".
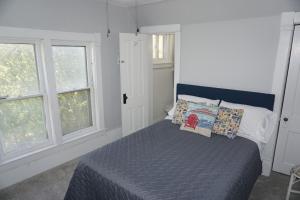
{"x": 52, "y": 148}
{"x": 163, "y": 65}
{"x": 81, "y": 134}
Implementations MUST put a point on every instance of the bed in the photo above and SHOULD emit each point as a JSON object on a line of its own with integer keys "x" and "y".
{"x": 162, "y": 162}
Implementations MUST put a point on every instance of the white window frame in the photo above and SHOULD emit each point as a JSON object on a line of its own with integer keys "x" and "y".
{"x": 43, "y": 41}
{"x": 42, "y": 93}
{"x": 90, "y": 87}
{"x": 167, "y": 57}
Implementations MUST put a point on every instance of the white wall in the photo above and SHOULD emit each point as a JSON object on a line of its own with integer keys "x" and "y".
{"x": 199, "y": 11}
{"x": 78, "y": 16}
{"x": 163, "y": 85}
{"x": 238, "y": 54}
{"x": 230, "y": 43}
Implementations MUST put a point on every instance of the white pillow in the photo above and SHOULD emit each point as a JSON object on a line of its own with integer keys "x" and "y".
{"x": 258, "y": 124}
{"x": 195, "y": 100}
{"x": 168, "y": 117}
{"x": 198, "y": 99}
{"x": 272, "y": 122}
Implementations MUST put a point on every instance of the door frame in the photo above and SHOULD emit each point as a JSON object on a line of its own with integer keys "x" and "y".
{"x": 175, "y": 29}
{"x": 288, "y": 22}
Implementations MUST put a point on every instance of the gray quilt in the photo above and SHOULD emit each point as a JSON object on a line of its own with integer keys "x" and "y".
{"x": 163, "y": 163}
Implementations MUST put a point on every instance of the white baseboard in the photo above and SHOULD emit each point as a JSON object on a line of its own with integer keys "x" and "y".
{"x": 25, "y": 168}
{"x": 266, "y": 168}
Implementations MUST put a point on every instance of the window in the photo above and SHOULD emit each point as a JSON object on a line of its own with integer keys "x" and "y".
{"x": 49, "y": 90}
{"x": 73, "y": 87}
{"x": 163, "y": 48}
{"x": 22, "y": 114}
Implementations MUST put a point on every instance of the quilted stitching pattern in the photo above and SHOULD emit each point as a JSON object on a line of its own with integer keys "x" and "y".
{"x": 163, "y": 163}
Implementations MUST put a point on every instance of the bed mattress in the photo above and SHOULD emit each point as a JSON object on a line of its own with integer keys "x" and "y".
{"x": 162, "y": 162}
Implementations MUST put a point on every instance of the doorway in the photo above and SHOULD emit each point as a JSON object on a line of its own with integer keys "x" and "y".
{"x": 163, "y": 74}
{"x": 166, "y": 74}
{"x": 149, "y": 74}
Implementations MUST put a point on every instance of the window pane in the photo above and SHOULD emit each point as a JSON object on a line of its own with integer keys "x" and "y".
{"x": 154, "y": 46}
{"x": 75, "y": 111}
{"x": 18, "y": 71}
{"x": 22, "y": 124}
{"x": 160, "y": 46}
{"x": 70, "y": 67}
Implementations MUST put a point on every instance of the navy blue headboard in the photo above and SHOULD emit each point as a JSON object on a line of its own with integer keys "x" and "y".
{"x": 234, "y": 96}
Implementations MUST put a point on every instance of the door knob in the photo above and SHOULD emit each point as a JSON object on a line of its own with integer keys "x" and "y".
{"x": 125, "y": 98}
{"x": 286, "y": 119}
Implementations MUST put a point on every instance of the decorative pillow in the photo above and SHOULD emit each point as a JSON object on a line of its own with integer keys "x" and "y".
{"x": 181, "y": 108}
{"x": 194, "y": 99}
{"x": 258, "y": 124}
{"x": 200, "y": 118}
{"x": 228, "y": 122}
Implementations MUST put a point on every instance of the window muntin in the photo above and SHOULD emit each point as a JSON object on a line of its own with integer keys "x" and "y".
{"x": 22, "y": 114}
{"x": 163, "y": 48}
{"x": 74, "y": 91}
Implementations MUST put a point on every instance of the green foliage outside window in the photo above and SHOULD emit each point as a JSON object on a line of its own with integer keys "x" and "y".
{"x": 71, "y": 76}
{"x": 21, "y": 121}
{"x": 22, "y": 116}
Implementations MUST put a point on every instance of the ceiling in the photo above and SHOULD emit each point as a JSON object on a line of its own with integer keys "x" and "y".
{"x": 132, "y": 2}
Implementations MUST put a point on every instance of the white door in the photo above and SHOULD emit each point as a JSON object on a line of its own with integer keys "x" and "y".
{"x": 287, "y": 152}
{"x": 136, "y": 84}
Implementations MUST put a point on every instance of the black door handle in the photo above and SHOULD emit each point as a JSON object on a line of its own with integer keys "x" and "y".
{"x": 125, "y": 98}
{"x": 286, "y": 119}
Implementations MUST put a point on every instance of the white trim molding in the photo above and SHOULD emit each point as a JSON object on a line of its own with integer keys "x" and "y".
{"x": 287, "y": 26}
{"x": 283, "y": 57}
{"x": 12, "y": 32}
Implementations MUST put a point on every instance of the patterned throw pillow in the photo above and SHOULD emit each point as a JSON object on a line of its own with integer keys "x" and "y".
{"x": 181, "y": 108}
{"x": 228, "y": 122}
{"x": 200, "y": 118}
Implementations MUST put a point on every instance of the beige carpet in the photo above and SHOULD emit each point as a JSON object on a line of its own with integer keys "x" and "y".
{"x": 53, "y": 184}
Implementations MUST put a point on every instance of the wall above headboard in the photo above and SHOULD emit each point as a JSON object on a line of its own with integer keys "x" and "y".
{"x": 237, "y": 54}
{"x": 234, "y": 96}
